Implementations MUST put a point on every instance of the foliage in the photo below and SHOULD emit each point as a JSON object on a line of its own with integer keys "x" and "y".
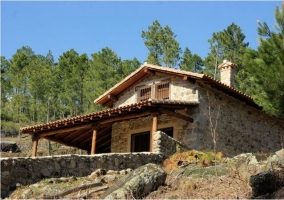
{"x": 163, "y": 47}
{"x": 191, "y": 62}
{"x": 35, "y": 89}
{"x": 265, "y": 66}
{"x": 225, "y": 45}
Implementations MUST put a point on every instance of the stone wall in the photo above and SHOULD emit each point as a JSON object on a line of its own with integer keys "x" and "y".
{"x": 166, "y": 145}
{"x": 240, "y": 127}
{"x": 122, "y": 131}
{"x": 179, "y": 90}
{"x": 33, "y": 169}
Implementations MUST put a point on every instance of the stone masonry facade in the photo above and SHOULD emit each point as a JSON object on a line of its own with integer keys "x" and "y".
{"x": 240, "y": 127}
{"x": 179, "y": 89}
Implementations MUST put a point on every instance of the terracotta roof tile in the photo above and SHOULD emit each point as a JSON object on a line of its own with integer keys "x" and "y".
{"x": 103, "y": 113}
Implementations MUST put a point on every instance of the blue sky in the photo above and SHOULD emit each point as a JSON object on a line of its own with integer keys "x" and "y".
{"x": 90, "y": 26}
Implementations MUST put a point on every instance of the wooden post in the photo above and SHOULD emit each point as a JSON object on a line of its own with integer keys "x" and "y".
{"x": 35, "y": 142}
{"x": 94, "y": 140}
{"x": 154, "y": 129}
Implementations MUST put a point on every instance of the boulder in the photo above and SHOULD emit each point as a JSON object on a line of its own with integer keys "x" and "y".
{"x": 265, "y": 184}
{"x": 138, "y": 183}
{"x": 7, "y": 146}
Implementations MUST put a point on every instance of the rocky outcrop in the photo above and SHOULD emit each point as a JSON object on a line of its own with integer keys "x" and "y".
{"x": 7, "y": 146}
{"x": 269, "y": 184}
{"x": 28, "y": 170}
{"x": 138, "y": 183}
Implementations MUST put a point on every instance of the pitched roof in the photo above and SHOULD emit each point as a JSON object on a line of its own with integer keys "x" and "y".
{"x": 77, "y": 131}
{"x": 146, "y": 69}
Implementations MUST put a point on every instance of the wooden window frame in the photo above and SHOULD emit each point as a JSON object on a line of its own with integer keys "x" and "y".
{"x": 162, "y": 93}
{"x": 134, "y": 139}
{"x": 144, "y": 93}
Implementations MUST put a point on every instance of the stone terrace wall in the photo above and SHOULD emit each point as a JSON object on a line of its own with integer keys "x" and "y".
{"x": 30, "y": 170}
{"x": 166, "y": 145}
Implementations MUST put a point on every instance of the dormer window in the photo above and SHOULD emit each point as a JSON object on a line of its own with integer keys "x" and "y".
{"x": 160, "y": 91}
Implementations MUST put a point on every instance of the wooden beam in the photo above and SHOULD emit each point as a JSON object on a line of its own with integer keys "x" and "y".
{"x": 148, "y": 71}
{"x": 63, "y": 130}
{"x": 82, "y": 135}
{"x": 175, "y": 114}
{"x": 187, "y": 78}
{"x": 99, "y": 137}
{"x": 62, "y": 142}
{"x": 35, "y": 143}
{"x": 125, "y": 117}
{"x": 70, "y": 135}
{"x": 94, "y": 140}
{"x": 106, "y": 142}
{"x": 154, "y": 129}
{"x": 112, "y": 97}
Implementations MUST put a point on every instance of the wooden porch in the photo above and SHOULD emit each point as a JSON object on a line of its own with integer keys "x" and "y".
{"x": 92, "y": 132}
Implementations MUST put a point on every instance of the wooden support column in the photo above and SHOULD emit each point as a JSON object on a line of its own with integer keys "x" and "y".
{"x": 94, "y": 140}
{"x": 35, "y": 143}
{"x": 154, "y": 129}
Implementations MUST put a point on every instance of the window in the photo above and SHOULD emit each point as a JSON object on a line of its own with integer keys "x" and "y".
{"x": 169, "y": 131}
{"x": 144, "y": 93}
{"x": 140, "y": 142}
{"x": 159, "y": 91}
{"x": 162, "y": 91}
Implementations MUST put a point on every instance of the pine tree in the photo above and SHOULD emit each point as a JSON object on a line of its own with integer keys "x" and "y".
{"x": 266, "y": 66}
{"x": 225, "y": 45}
{"x": 191, "y": 62}
{"x": 163, "y": 47}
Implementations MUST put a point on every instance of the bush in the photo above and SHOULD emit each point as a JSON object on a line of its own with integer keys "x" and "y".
{"x": 198, "y": 158}
{"x": 10, "y": 129}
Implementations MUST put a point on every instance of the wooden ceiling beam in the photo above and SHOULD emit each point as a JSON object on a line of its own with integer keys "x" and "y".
{"x": 100, "y": 138}
{"x": 125, "y": 117}
{"x": 72, "y": 134}
{"x": 175, "y": 114}
{"x": 112, "y": 97}
{"x": 63, "y": 130}
{"x": 150, "y": 72}
{"x": 107, "y": 142}
{"x": 62, "y": 142}
{"x": 187, "y": 78}
{"x": 83, "y": 135}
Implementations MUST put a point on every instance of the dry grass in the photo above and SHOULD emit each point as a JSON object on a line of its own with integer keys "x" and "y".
{"x": 191, "y": 158}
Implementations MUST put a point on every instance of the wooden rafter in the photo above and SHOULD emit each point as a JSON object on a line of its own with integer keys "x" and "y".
{"x": 175, "y": 114}
{"x": 148, "y": 71}
{"x": 112, "y": 97}
{"x": 62, "y": 142}
{"x": 125, "y": 117}
{"x": 82, "y": 135}
{"x": 63, "y": 130}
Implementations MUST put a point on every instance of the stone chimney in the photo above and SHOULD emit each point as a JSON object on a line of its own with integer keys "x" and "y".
{"x": 228, "y": 72}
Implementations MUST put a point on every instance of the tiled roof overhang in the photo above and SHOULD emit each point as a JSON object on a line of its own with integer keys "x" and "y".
{"x": 77, "y": 131}
{"x": 147, "y": 69}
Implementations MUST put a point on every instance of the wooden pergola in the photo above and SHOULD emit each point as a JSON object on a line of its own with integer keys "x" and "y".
{"x": 92, "y": 132}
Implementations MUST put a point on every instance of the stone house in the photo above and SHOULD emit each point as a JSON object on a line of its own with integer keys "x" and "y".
{"x": 193, "y": 109}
